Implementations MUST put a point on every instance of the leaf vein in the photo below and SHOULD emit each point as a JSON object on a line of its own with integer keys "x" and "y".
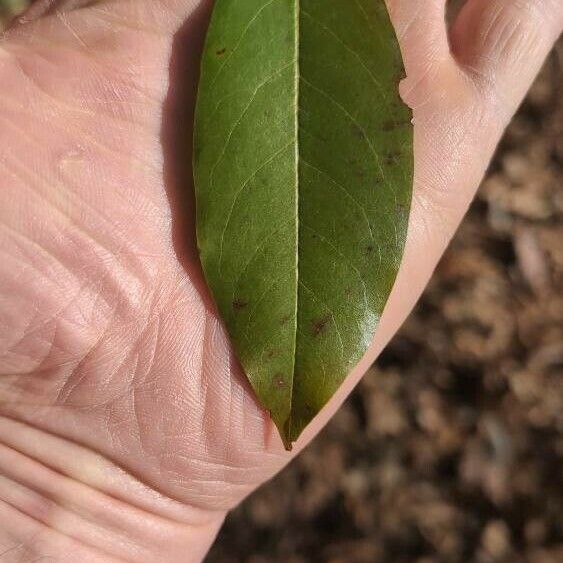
{"x": 253, "y": 255}
{"x": 349, "y": 49}
{"x": 239, "y": 121}
{"x": 346, "y": 191}
{"x": 352, "y": 119}
{"x": 245, "y": 184}
{"x": 352, "y": 265}
{"x": 239, "y": 41}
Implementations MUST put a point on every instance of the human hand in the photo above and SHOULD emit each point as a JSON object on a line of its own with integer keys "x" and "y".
{"x": 126, "y": 428}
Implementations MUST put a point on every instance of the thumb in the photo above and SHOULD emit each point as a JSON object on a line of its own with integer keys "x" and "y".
{"x": 505, "y": 43}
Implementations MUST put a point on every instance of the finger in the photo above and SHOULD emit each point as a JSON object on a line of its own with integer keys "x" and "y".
{"x": 422, "y": 33}
{"x": 423, "y": 36}
{"x": 505, "y": 43}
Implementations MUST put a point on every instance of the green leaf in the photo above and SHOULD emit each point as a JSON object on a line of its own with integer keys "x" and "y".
{"x": 303, "y": 169}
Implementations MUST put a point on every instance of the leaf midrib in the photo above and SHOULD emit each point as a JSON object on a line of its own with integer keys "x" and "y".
{"x": 297, "y": 58}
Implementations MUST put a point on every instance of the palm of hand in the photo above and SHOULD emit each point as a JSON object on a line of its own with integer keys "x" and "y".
{"x": 108, "y": 337}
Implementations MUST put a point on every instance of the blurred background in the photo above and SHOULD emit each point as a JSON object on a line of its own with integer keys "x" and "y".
{"x": 451, "y": 449}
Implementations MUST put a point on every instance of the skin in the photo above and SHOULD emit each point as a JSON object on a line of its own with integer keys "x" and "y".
{"x": 127, "y": 431}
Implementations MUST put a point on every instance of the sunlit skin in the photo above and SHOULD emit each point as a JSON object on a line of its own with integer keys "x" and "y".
{"x": 127, "y": 430}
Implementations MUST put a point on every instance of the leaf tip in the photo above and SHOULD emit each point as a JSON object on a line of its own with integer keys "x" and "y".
{"x": 287, "y": 443}
{"x": 284, "y": 431}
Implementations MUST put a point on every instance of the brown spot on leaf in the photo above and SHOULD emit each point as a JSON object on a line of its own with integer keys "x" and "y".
{"x": 280, "y": 381}
{"x": 284, "y": 320}
{"x": 370, "y": 248}
{"x": 221, "y": 51}
{"x": 238, "y": 304}
{"x": 392, "y": 158}
{"x": 321, "y": 325}
{"x": 392, "y": 124}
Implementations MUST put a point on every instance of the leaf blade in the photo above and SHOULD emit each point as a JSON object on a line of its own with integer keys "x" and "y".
{"x": 303, "y": 169}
